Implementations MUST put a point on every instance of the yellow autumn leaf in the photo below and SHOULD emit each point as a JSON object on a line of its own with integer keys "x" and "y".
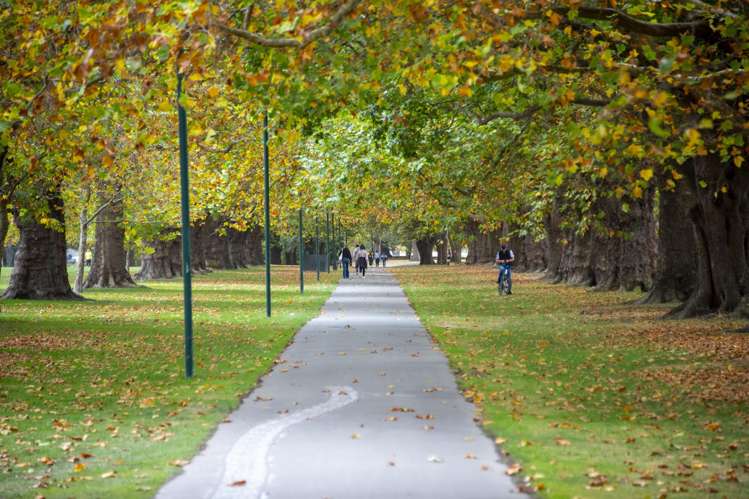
{"x": 646, "y": 174}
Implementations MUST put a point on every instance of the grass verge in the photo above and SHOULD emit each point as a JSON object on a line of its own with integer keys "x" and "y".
{"x": 591, "y": 395}
{"x": 93, "y": 400}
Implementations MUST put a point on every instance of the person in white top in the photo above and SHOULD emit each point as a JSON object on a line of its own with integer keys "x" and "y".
{"x": 355, "y": 258}
{"x": 361, "y": 260}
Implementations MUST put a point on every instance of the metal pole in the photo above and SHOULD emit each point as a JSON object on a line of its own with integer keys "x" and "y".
{"x": 334, "y": 254}
{"x": 266, "y": 190}
{"x": 327, "y": 241}
{"x": 185, "y": 202}
{"x": 317, "y": 247}
{"x": 301, "y": 250}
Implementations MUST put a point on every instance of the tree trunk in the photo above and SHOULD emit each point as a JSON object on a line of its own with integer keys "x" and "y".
{"x": 109, "y": 265}
{"x": 164, "y": 261}
{"x": 578, "y": 261}
{"x": 483, "y": 246}
{"x": 676, "y": 262}
{"x": 198, "y": 239}
{"x": 40, "y": 268}
{"x": 425, "y": 246}
{"x": 414, "y": 255}
{"x": 626, "y": 254}
{"x": 720, "y": 236}
{"x": 442, "y": 245}
{"x": 555, "y": 243}
{"x": 456, "y": 249}
{"x": 82, "y": 243}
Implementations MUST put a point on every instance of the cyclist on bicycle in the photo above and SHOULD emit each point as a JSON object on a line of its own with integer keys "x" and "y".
{"x": 504, "y": 260}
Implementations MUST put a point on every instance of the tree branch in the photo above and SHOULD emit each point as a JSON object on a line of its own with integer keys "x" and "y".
{"x": 528, "y": 113}
{"x": 307, "y": 38}
{"x": 631, "y": 24}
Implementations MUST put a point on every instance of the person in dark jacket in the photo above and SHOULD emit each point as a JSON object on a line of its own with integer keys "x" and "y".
{"x": 345, "y": 257}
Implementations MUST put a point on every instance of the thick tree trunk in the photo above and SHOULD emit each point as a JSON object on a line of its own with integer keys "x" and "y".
{"x": 676, "y": 262}
{"x": 578, "y": 261}
{"x": 626, "y": 255}
{"x": 483, "y": 246}
{"x": 109, "y": 265}
{"x": 442, "y": 245}
{"x": 163, "y": 261}
{"x": 426, "y": 247}
{"x": 40, "y": 268}
{"x": 198, "y": 238}
{"x": 414, "y": 255}
{"x": 720, "y": 236}
{"x": 456, "y": 249}
{"x": 555, "y": 243}
{"x": 529, "y": 254}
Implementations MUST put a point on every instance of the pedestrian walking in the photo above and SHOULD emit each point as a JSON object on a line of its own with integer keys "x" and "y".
{"x": 370, "y": 258}
{"x": 384, "y": 257}
{"x": 345, "y": 257}
{"x": 377, "y": 258}
{"x": 355, "y": 258}
{"x": 361, "y": 260}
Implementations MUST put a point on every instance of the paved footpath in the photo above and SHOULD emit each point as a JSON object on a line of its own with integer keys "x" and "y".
{"x": 361, "y": 405}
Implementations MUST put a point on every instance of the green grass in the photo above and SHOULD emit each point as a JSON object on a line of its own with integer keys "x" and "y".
{"x": 593, "y": 396}
{"x": 88, "y": 388}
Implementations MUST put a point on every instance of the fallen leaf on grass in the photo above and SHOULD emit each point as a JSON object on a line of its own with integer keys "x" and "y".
{"x": 78, "y": 467}
{"x": 513, "y": 470}
{"x": 109, "y": 474}
{"x": 178, "y": 463}
{"x": 563, "y": 442}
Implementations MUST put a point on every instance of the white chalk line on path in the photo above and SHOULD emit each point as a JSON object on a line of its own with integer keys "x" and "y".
{"x": 247, "y": 461}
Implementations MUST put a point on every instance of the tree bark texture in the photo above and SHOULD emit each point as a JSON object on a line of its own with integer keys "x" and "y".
{"x": 530, "y": 255}
{"x": 676, "y": 261}
{"x": 425, "y": 246}
{"x": 483, "y": 246}
{"x": 40, "y": 268}
{"x": 719, "y": 217}
{"x": 109, "y": 262}
{"x": 163, "y": 261}
{"x": 625, "y": 257}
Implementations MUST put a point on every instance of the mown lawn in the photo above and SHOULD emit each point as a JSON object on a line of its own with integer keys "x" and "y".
{"x": 93, "y": 400}
{"x": 593, "y": 396}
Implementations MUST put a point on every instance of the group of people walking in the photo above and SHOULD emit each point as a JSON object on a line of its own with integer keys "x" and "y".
{"x": 361, "y": 258}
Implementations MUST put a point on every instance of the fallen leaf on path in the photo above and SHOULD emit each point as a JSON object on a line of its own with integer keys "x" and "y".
{"x": 435, "y": 459}
{"x": 238, "y": 483}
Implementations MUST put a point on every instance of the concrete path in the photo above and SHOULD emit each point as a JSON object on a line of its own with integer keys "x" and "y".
{"x": 361, "y": 405}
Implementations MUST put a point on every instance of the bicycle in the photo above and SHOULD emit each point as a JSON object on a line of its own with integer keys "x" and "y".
{"x": 504, "y": 280}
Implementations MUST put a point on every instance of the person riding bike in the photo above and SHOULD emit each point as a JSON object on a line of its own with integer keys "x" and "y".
{"x": 504, "y": 260}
